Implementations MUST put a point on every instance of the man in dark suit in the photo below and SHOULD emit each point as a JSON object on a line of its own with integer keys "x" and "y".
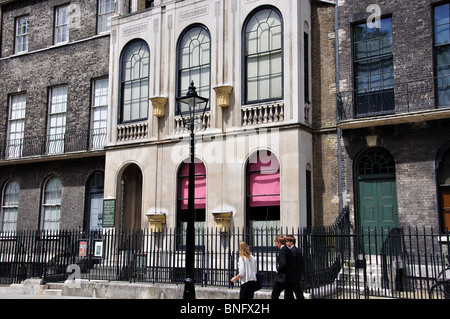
{"x": 299, "y": 266}
{"x": 284, "y": 279}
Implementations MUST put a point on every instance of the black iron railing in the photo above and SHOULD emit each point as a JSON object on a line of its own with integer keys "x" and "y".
{"x": 337, "y": 266}
{"x": 55, "y": 144}
{"x": 403, "y": 97}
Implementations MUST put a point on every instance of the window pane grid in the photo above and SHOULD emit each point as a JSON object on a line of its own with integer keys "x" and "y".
{"x": 264, "y": 56}
{"x": 135, "y": 82}
{"x": 10, "y": 206}
{"x": 442, "y": 52}
{"x": 62, "y": 24}
{"x": 22, "y": 32}
{"x": 16, "y": 126}
{"x": 194, "y": 61}
{"x": 105, "y": 11}
{"x": 51, "y": 206}
{"x": 57, "y": 120}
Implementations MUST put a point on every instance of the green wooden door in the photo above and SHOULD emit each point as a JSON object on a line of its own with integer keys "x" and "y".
{"x": 378, "y": 212}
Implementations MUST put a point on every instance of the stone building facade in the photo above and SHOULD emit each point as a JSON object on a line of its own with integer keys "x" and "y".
{"x": 250, "y": 60}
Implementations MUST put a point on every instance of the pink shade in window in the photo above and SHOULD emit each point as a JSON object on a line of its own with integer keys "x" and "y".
{"x": 264, "y": 181}
{"x": 200, "y": 186}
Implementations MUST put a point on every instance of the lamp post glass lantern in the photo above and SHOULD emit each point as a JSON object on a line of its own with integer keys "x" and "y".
{"x": 190, "y": 107}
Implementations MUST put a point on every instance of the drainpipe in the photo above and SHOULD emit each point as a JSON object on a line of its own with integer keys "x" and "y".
{"x": 338, "y": 129}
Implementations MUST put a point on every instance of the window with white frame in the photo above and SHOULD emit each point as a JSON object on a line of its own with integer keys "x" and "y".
{"x": 99, "y": 113}
{"x": 57, "y": 120}
{"x": 135, "y": 67}
{"x": 16, "y": 125}
{"x": 105, "y": 11}
{"x": 10, "y": 206}
{"x": 22, "y": 32}
{"x": 263, "y": 56}
{"x": 51, "y": 205}
{"x": 194, "y": 61}
{"x": 62, "y": 16}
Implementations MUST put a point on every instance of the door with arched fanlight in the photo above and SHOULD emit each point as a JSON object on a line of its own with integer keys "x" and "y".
{"x": 376, "y": 196}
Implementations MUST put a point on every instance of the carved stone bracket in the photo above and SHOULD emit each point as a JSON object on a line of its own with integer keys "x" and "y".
{"x": 222, "y": 219}
{"x": 223, "y": 95}
{"x": 159, "y": 105}
{"x": 156, "y": 221}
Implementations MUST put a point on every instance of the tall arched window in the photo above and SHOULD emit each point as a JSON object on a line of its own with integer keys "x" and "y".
{"x": 263, "y": 56}
{"x": 194, "y": 61}
{"x": 263, "y": 192}
{"x": 94, "y": 207}
{"x": 443, "y": 174}
{"x": 51, "y": 205}
{"x": 10, "y": 206}
{"x": 134, "y": 81}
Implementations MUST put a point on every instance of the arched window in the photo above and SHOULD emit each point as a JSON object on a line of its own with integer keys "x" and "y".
{"x": 443, "y": 173}
{"x": 263, "y": 56}
{"x": 94, "y": 207}
{"x": 51, "y": 205}
{"x": 134, "y": 81}
{"x": 194, "y": 61}
{"x": 199, "y": 197}
{"x": 10, "y": 206}
{"x": 263, "y": 192}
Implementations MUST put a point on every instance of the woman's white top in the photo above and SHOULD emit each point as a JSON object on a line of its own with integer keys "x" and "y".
{"x": 247, "y": 269}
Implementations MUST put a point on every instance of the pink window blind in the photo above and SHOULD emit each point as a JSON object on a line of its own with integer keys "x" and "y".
{"x": 200, "y": 186}
{"x": 264, "y": 183}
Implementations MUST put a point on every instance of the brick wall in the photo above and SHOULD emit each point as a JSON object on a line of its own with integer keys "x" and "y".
{"x": 326, "y": 202}
{"x": 414, "y": 146}
{"x": 74, "y": 176}
{"x": 76, "y": 64}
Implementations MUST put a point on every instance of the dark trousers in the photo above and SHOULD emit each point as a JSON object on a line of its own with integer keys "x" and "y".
{"x": 278, "y": 287}
{"x": 298, "y": 291}
{"x": 247, "y": 290}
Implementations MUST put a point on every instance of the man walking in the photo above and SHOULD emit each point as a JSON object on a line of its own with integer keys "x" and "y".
{"x": 284, "y": 279}
{"x": 299, "y": 266}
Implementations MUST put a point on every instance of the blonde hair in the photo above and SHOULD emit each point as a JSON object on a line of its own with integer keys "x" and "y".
{"x": 244, "y": 250}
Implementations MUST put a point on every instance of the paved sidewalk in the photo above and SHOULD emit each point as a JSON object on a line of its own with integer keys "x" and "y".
{"x": 21, "y": 296}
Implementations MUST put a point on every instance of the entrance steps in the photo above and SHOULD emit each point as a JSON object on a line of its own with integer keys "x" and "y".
{"x": 52, "y": 289}
{"x": 360, "y": 278}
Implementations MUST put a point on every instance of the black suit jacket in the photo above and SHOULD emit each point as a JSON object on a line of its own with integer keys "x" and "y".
{"x": 285, "y": 266}
{"x": 299, "y": 264}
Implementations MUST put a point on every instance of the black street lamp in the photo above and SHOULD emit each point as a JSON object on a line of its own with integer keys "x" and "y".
{"x": 190, "y": 107}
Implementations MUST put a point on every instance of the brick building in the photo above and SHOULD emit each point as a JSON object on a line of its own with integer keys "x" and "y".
{"x": 393, "y": 112}
{"x": 365, "y": 125}
{"x": 54, "y": 59}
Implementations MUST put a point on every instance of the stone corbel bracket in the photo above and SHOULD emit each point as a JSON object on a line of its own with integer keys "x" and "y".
{"x": 156, "y": 222}
{"x": 159, "y": 105}
{"x": 223, "y": 94}
{"x": 222, "y": 219}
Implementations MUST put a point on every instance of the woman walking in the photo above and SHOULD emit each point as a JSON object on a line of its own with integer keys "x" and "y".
{"x": 247, "y": 272}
